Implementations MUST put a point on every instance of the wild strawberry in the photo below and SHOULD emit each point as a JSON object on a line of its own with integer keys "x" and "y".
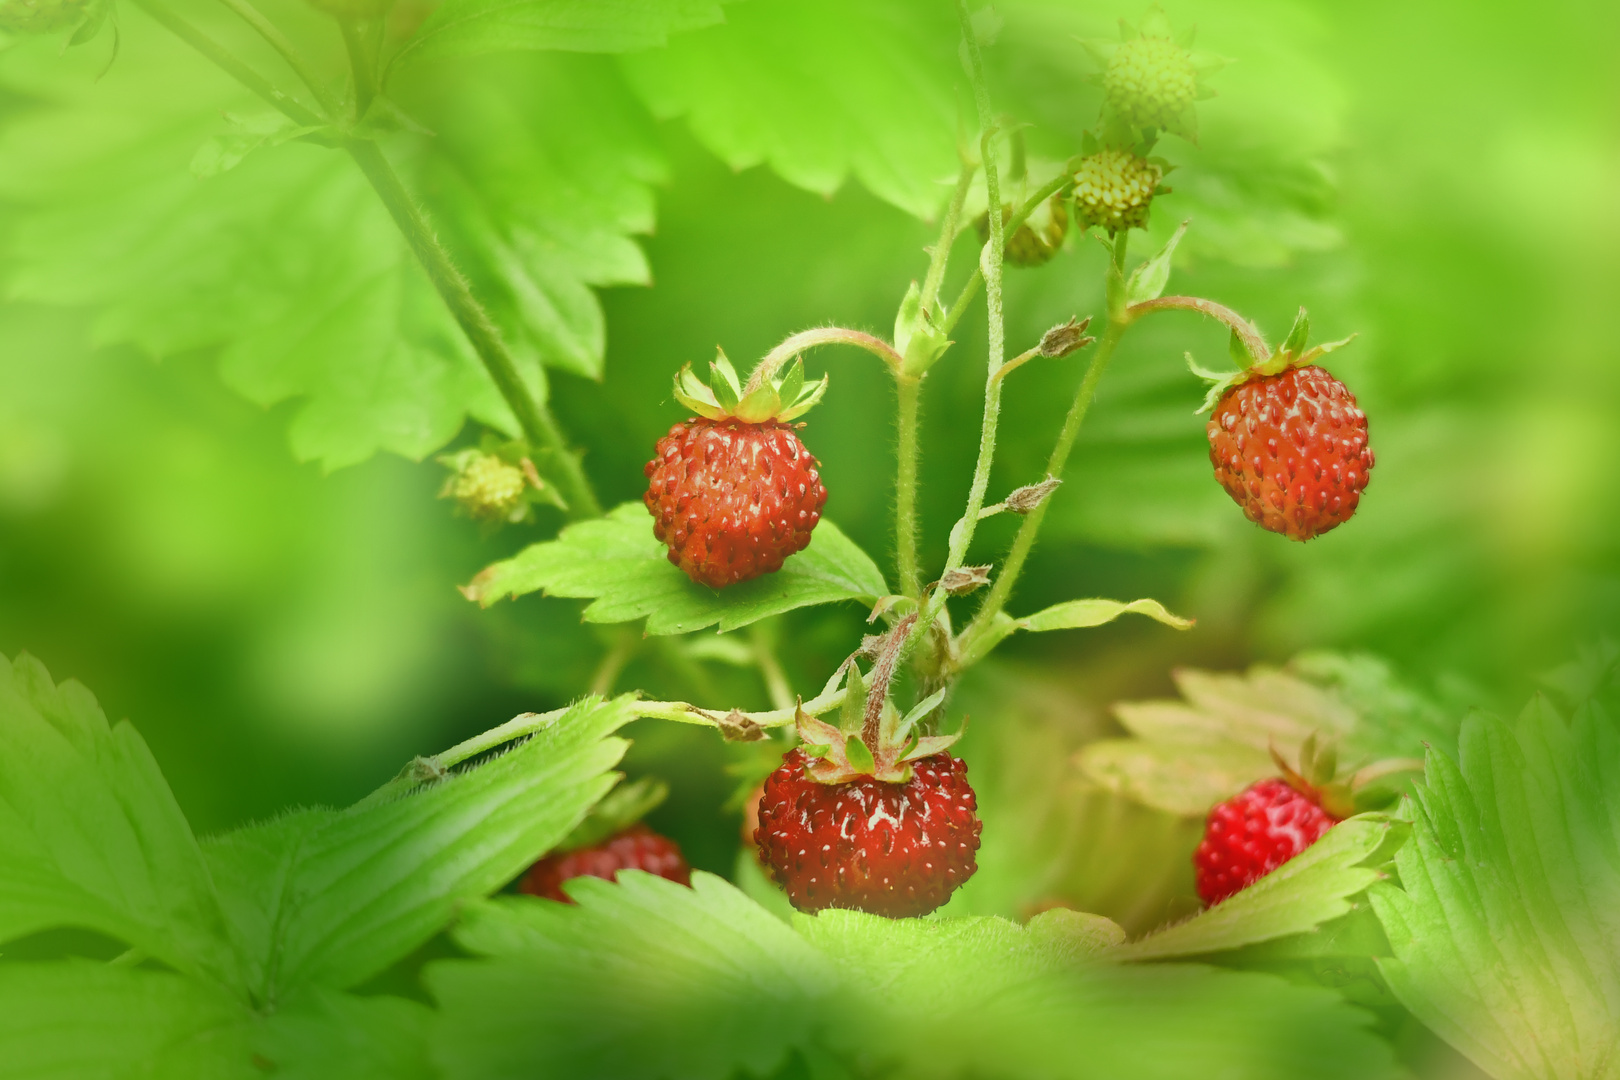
{"x": 1151, "y": 78}
{"x": 733, "y": 492}
{"x": 1038, "y": 238}
{"x": 635, "y": 848}
{"x": 1268, "y": 823}
{"x": 1113, "y": 190}
{"x": 488, "y": 488}
{"x": 1288, "y": 442}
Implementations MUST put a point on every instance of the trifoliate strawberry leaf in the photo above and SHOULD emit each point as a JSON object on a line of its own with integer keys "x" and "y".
{"x": 1188, "y": 755}
{"x": 75, "y": 1019}
{"x": 1505, "y": 924}
{"x": 475, "y": 27}
{"x": 90, "y": 835}
{"x": 332, "y": 897}
{"x": 618, "y": 563}
{"x": 646, "y": 978}
{"x": 643, "y": 979}
{"x": 819, "y": 90}
{"x": 1308, "y": 890}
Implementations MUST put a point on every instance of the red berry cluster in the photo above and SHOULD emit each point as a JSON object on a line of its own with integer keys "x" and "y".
{"x": 895, "y": 849}
{"x": 636, "y": 848}
{"x": 1291, "y": 449}
{"x": 1250, "y": 835}
{"x": 731, "y": 499}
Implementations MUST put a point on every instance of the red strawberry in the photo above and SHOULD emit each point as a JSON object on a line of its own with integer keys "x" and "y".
{"x": 1250, "y": 835}
{"x": 1291, "y": 449}
{"x": 894, "y": 849}
{"x": 733, "y": 492}
{"x": 635, "y": 848}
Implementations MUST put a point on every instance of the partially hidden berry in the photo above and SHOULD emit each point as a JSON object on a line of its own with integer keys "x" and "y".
{"x": 1253, "y": 833}
{"x": 734, "y": 492}
{"x": 1114, "y": 189}
{"x": 890, "y": 848}
{"x": 24, "y": 17}
{"x": 1151, "y": 81}
{"x": 486, "y": 487}
{"x": 1291, "y": 449}
{"x": 635, "y": 848}
{"x": 1037, "y": 238}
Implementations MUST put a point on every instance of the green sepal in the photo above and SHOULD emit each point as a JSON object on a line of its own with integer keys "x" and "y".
{"x": 782, "y": 398}
{"x": 723, "y": 382}
{"x": 1219, "y": 382}
{"x": 1238, "y": 350}
{"x": 1295, "y": 343}
{"x": 852, "y": 713}
{"x": 917, "y": 713}
{"x": 858, "y": 755}
{"x": 1148, "y": 281}
{"x": 917, "y": 337}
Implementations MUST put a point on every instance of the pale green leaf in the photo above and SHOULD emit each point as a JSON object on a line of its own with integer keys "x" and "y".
{"x": 1308, "y": 890}
{"x": 1077, "y": 614}
{"x": 1149, "y": 279}
{"x": 1506, "y": 921}
{"x": 90, "y": 835}
{"x": 1180, "y": 778}
{"x": 643, "y": 979}
{"x": 474, "y": 27}
{"x": 332, "y": 897}
{"x": 618, "y": 563}
{"x": 820, "y": 90}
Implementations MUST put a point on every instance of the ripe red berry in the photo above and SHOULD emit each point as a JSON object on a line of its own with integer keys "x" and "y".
{"x": 1253, "y": 833}
{"x": 733, "y": 499}
{"x": 1291, "y": 449}
{"x": 894, "y": 849}
{"x": 636, "y": 848}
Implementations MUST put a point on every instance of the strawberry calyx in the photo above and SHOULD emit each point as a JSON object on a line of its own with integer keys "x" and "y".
{"x": 1291, "y": 354}
{"x": 780, "y": 396}
{"x": 1316, "y": 776}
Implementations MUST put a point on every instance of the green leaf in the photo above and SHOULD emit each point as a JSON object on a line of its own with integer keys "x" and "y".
{"x": 333, "y": 897}
{"x": 1297, "y": 334}
{"x": 820, "y": 90}
{"x": 1184, "y": 778}
{"x": 1078, "y": 614}
{"x": 643, "y": 979}
{"x": 1312, "y": 888}
{"x": 475, "y": 27}
{"x": 225, "y": 152}
{"x": 1149, "y": 279}
{"x": 90, "y": 835}
{"x": 1505, "y": 925}
{"x": 617, "y": 562}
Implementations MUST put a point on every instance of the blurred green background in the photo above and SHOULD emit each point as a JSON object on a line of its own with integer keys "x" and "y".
{"x": 1443, "y": 179}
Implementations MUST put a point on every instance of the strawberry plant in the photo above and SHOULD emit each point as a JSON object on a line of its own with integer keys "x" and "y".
{"x": 400, "y": 224}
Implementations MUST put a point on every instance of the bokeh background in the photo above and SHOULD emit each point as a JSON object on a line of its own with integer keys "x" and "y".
{"x": 1441, "y": 178}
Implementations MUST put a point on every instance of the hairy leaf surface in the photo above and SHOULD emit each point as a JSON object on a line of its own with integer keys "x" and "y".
{"x": 618, "y": 563}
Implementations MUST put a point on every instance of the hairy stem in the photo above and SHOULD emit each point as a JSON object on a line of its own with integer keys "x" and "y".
{"x": 226, "y": 61}
{"x": 536, "y": 421}
{"x": 1242, "y": 327}
{"x": 941, "y": 255}
{"x": 909, "y": 392}
{"x": 684, "y": 713}
{"x": 1013, "y": 565}
{"x": 1019, "y": 216}
{"x": 273, "y": 37}
{"x": 774, "y": 360}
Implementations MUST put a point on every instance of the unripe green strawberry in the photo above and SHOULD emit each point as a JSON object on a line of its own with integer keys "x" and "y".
{"x": 1151, "y": 82}
{"x": 486, "y": 487}
{"x": 1114, "y": 189}
{"x": 43, "y": 16}
{"x": 1038, "y": 238}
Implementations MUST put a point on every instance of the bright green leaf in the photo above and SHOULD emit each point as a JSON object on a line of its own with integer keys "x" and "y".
{"x": 1304, "y": 892}
{"x": 90, "y": 835}
{"x": 1077, "y": 614}
{"x": 1149, "y": 279}
{"x": 474, "y": 27}
{"x": 618, "y": 563}
{"x": 1506, "y": 922}
{"x": 332, "y": 897}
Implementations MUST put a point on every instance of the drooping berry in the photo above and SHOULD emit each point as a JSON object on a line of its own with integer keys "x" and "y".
{"x": 27, "y": 17}
{"x": 1038, "y": 238}
{"x": 1291, "y": 449}
{"x": 635, "y": 848}
{"x": 733, "y": 492}
{"x": 1253, "y": 833}
{"x": 890, "y": 848}
{"x": 1113, "y": 190}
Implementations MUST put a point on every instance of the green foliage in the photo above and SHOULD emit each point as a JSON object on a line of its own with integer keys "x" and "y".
{"x": 475, "y": 27}
{"x": 1505, "y": 923}
{"x": 618, "y": 563}
{"x": 259, "y": 929}
{"x": 647, "y": 979}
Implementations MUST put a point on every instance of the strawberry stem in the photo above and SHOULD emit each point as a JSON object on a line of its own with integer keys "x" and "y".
{"x": 809, "y": 339}
{"x": 1244, "y": 329}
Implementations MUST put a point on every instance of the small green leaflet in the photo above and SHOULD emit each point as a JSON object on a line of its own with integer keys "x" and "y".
{"x": 647, "y": 979}
{"x": 1149, "y": 279}
{"x": 617, "y": 562}
{"x": 820, "y": 90}
{"x": 474, "y": 27}
{"x": 1506, "y": 922}
{"x": 1308, "y": 890}
{"x": 1070, "y": 615}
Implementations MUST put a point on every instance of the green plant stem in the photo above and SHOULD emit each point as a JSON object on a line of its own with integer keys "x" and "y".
{"x": 975, "y": 282}
{"x": 227, "y": 62}
{"x": 1013, "y": 565}
{"x": 684, "y": 713}
{"x": 536, "y": 421}
{"x": 809, "y": 339}
{"x": 909, "y": 393}
{"x": 266, "y": 29}
{"x": 940, "y": 256}
{"x": 365, "y": 77}
{"x": 613, "y": 662}
{"x": 1252, "y": 339}
{"x": 777, "y": 687}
